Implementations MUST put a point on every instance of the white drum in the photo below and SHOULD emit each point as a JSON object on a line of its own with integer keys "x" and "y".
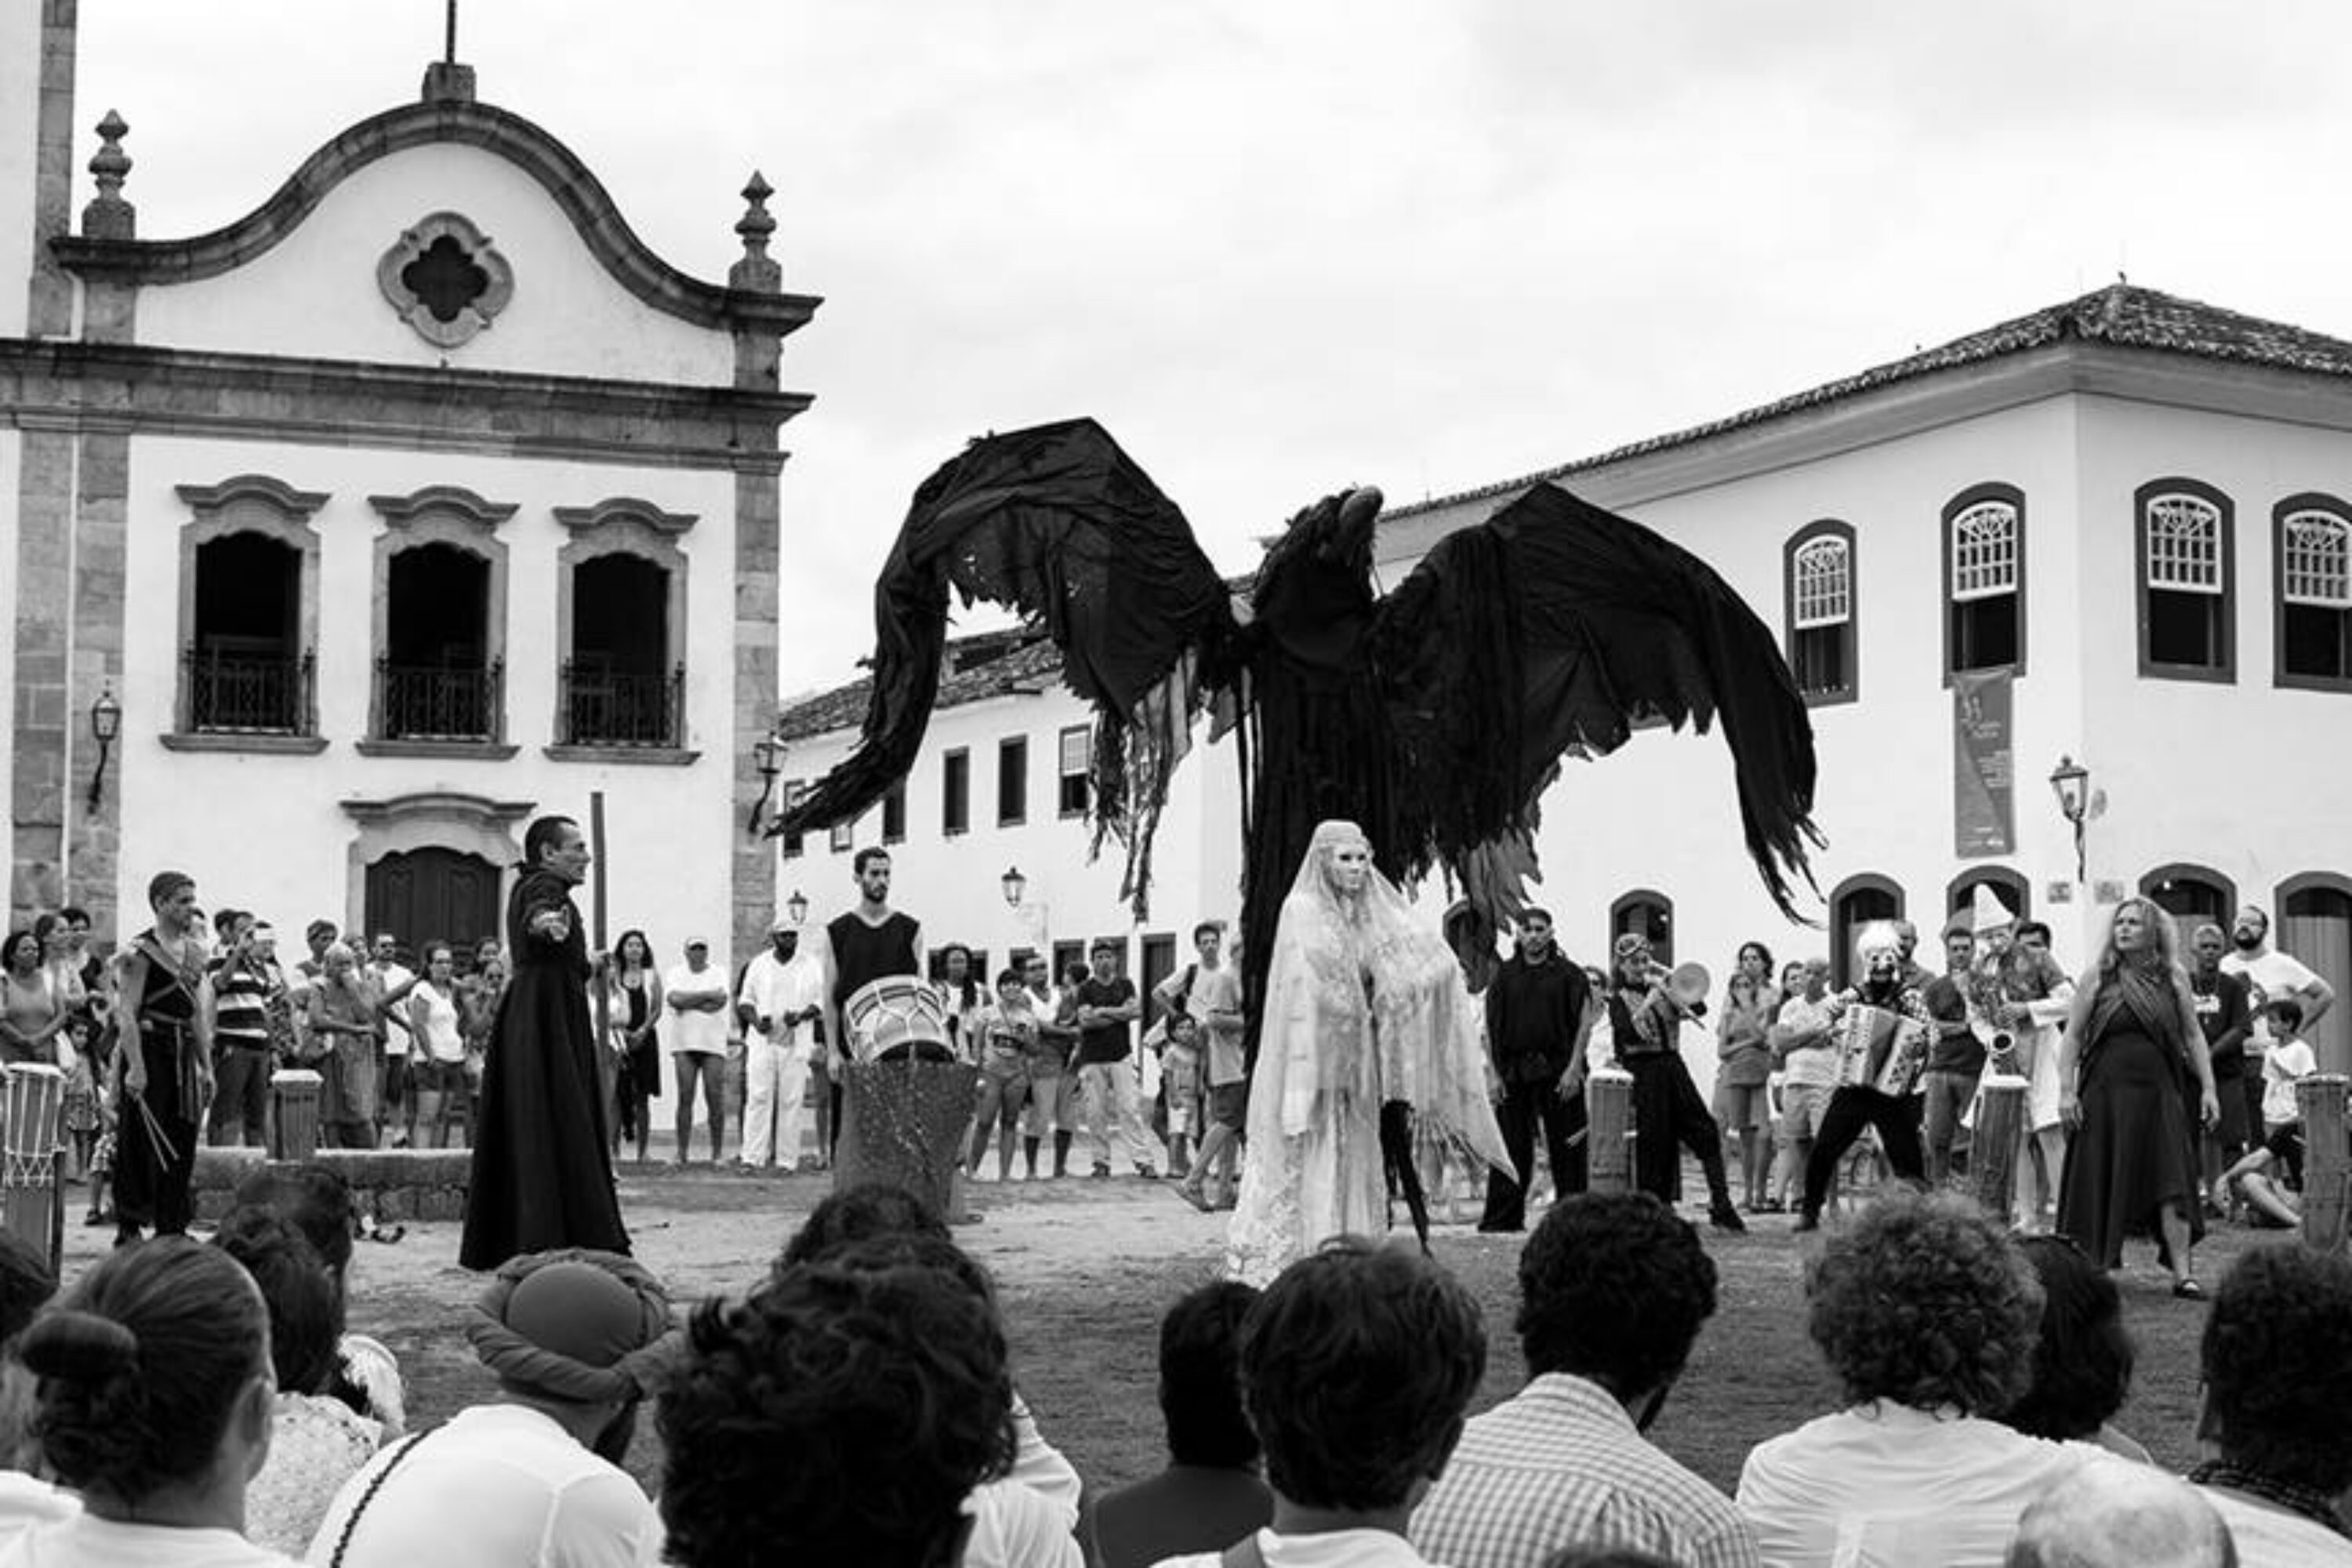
{"x": 896, "y": 1017}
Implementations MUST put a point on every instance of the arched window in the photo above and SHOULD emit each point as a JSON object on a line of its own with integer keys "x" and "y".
{"x": 2314, "y": 925}
{"x": 2187, "y": 597}
{"x": 1853, "y": 904}
{"x": 1818, "y": 570}
{"x": 621, "y": 620}
{"x": 2014, "y": 891}
{"x": 1646, "y": 913}
{"x": 440, "y": 625}
{"x": 248, "y": 615}
{"x": 2312, "y": 546}
{"x": 1984, "y": 580}
{"x": 2191, "y": 894}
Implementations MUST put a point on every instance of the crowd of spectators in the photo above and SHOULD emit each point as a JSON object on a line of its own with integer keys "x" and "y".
{"x": 185, "y": 1402}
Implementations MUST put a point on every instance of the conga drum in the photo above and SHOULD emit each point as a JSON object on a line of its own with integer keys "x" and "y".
{"x": 2326, "y": 1170}
{"x": 1609, "y": 1129}
{"x": 294, "y": 1128}
{"x": 895, "y": 1017}
{"x": 1994, "y": 1146}
{"x": 906, "y": 1101}
{"x": 30, "y": 1202}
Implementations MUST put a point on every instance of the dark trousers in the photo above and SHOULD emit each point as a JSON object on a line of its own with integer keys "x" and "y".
{"x": 240, "y": 1095}
{"x": 1523, "y": 1106}
{"x": 155, "y": 1153}
{"x": 1852, "y": 1108}
{"x": 1668, "y": 1118}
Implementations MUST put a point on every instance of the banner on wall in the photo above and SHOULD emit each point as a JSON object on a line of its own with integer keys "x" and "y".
{"x": 1984, "y": 798}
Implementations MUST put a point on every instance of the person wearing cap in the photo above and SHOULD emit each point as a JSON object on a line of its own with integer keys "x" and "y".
{"x": 781, "y": 1005}
{"x": 696, "y": 995}
{"x": 576, "y": 1340}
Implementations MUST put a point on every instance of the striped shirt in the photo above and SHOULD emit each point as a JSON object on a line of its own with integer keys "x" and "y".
{"x": 1562, "y": 1465}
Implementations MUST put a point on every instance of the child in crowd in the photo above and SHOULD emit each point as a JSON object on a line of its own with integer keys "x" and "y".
{"x": 85, "y": 1114}
{"x": 2287, "y": 1062}
{"x": 1180, "y": 1081}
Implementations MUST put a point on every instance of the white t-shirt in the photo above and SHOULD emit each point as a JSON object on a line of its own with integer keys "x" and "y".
{"x": 1814, "y": 1065}
{"x": 82, "y": 1541}
{"x": 389, "y": 980}
{"x": 690, "y": 1029}
{"x": 498, "y": 1485}
{"x": 2264, "y": 1534}
{"x": 2269, "y": 977}
{"x": 2284, "y": 1063}
{"x": 1331, "y": 1549}
{"x": 773, "y": 989}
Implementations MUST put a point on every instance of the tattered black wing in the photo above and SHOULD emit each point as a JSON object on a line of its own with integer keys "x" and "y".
{"x": 1553, "y": 629}
{"x": 1059, "y": 524}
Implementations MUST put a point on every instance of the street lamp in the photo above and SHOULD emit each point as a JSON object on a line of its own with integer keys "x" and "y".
{"x": 797, "y": 906}
{"x": 768, "y": 757}
{"x": 2071, "y": 782}
{"x": 105, "y": 724}
{"x": 1014, "y": 884}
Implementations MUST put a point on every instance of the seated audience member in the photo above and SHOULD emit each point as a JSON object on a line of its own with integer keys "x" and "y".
{"x": 2277, "y": 1361}
{"x": 1357, "y": 1364}
{"x": 151, "y": 1400}
{"x": 2082, "y": 1356}
{"x": 573, "y": 1338}
{"x": 1211, "y": 1495}
{"x": 26, "y": 1287}
{"x": 319, "y": 1441}
{"x": 318, "y": 1202}
{"x": 1927, "y": 1313}
{"x": 2266, "y": 1178}
{"x": 877, "y": 1211}
{"x": 843, "y": 1412}
{"x": 1607, "y": 1557}
{"x": 2111, "y": 1513}
{"x": 1613, "y": 1293}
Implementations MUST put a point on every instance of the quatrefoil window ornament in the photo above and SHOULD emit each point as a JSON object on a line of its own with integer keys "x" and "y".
{"x": 445, "y": 279}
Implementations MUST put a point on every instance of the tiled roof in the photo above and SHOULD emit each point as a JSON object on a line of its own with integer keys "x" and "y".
{"x": 2119, "y": 314}
{"x": 1030, "y": 662}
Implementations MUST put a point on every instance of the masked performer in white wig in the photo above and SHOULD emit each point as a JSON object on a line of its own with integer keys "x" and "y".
{"x": 1370, "y": 1039}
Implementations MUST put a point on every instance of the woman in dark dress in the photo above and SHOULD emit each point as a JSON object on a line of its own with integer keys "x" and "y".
{"x": 2133, "y": 1036}
{"x": 636, "y": 1004}
{"x": 543, "y": 1167}
{"x": 167, "y": 1067}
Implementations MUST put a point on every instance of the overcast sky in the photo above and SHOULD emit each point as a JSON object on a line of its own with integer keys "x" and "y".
{"x": 1279, "y": 247}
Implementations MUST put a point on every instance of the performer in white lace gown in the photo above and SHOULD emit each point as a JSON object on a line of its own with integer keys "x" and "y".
{"x": 1364, "y": 1008}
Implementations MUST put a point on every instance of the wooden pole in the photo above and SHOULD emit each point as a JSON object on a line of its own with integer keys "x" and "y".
{"x": 2327, "y": 1159}
{"x": 1995, "y": 1143}
{"x": 607, "y": 1069}
{"x": 1609, "y": 1109}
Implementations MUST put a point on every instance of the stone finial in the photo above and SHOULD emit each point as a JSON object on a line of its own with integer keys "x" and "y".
{"x": 757, "y": 270}
{"x": 109, "y": 216}
{"x": 447, "y": 81}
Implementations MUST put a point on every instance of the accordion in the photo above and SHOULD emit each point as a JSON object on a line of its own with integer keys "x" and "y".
{"x": 1878, "y": 1047}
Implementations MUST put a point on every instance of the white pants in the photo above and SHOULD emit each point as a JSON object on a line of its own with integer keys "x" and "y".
{"x": 1106, "y": 1093}
{"x": 775, "y": 1086}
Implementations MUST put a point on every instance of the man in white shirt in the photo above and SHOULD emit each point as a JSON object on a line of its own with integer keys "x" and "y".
{"x": 696, "y": 996}
{"x": 393, "y": 980}
{"x": 531, "y": 1481}
{"x": 781, "y": 1005}
{"x": 2270, "y": 976}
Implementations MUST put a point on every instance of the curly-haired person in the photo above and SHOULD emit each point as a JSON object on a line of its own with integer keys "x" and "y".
{"x": 1357, "y": 1365}
{"x": 152, "y": 1401}
{"x": 2083, "y": 1358}
{"x": 1612, "y": 1293}
{"x": 1927, "y": 1314}
{"x": 2277, "y": 1359}
{"x": 842, "y": 1414}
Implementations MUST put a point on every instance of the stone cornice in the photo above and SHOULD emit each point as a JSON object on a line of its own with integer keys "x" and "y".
{"x": 451, "y": 500}
{"x": 294, "y": 503}
{"x": 618, "y": 509}
{"x": 435, "y": 803}
{"x": 580, "y": 196}
{"x": 143, "y": 389}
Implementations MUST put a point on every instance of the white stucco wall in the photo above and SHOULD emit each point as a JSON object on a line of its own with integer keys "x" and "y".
{"x": 20, "y": 108}
{"x": 11, "y": 459}
{"x": 315, "y": 293}
{"x": 268, "y": 832}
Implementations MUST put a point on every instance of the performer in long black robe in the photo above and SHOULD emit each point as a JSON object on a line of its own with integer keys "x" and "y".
{"x": 542, "y": 1163}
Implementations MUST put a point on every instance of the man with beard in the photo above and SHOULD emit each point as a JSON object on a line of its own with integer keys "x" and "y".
{"x": 2271, "y": 976}
{"x": 780, "y": 1003}
{"x": 1643, "y": 1024}
{"x": 1537, "y": 1029}
{"x": 1880, "y": 1098}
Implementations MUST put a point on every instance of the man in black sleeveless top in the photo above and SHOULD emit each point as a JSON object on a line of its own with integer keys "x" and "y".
{"x": 872, "y": 941}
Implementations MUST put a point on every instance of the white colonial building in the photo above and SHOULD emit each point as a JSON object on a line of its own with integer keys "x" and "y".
{"x": 420, "y": 500}
{"x": 2114, "y": 531}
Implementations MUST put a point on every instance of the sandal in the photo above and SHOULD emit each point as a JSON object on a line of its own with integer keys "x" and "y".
{"x": 2188, "y": 1290}
{"x": 387, "y": 1234}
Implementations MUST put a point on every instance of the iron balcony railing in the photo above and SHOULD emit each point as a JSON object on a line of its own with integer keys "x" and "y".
{"x": 249, "y": 694}
{"x": 440, "y": 702}
{"x": 620, "y": 708}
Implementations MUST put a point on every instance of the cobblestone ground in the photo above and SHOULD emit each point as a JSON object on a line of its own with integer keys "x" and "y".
{"x": 1085, "y": 1268}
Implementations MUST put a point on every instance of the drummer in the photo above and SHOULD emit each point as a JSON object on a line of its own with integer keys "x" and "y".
{"x": 1859, "y": 1101}
{"x": 868, "y": 943}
